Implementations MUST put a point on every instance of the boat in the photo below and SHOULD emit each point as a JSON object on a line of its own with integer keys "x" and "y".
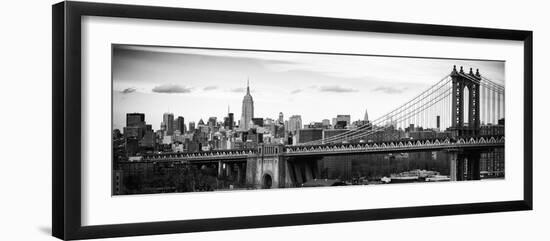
{"x": 438, "y": 178}
{"x": 385, "y": 180}
{"x": 403, "y": 178}
{"x": 421, "y": 173}
{"x": 415, "y": 175}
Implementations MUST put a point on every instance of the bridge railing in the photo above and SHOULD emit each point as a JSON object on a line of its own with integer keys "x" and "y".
{"x": 402, "y": 144}
{"x": 384, "y": 145}
{"x": 181, "y": 155}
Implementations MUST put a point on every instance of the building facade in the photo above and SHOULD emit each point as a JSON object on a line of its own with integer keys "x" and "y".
{"x": 180, "y": 125}
{"x": 341, "y": 121}
{"x": 168, "y": 123}
{"x": 294, "y": 123}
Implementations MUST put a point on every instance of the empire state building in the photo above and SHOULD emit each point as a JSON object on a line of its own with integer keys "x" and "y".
{"x": 248, "y": 110}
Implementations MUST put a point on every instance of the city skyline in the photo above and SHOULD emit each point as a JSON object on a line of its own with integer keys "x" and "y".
{"x": 303, "y": 122}
{"x": 158, "y": 80}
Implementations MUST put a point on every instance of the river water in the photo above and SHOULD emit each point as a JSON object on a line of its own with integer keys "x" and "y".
{"x": 375, "y": 166}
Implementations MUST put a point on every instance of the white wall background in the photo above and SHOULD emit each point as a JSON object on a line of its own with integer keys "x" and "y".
{"x": 25, "y": 92}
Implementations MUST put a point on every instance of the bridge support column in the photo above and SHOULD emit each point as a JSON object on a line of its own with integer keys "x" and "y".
{"x": 453, "y": 166}
{"x": 314, "y": 169}
{"x": 239, "y": 173}
{"x": 469, "y": 168}
{"x": 228, "y": 171}
{"x": 460, "y": 168}
{"x": 473, "y": 166}
{"x": 220, "y": 169}
{"x": 456, "y": 165}
{"x": 290, "y": 177}
{"x": 298, "y": 174}
{"x": 252, "y": 172}
{"x": 308, "y": 172}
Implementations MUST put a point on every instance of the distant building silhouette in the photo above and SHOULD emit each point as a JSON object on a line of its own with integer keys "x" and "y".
{"x": 341, "y": 121}
{"x": 228, "y": 121}
{"x": 180, "y": 124}
{"x": 294, "y": 123}
{"x": 168, "y": 123}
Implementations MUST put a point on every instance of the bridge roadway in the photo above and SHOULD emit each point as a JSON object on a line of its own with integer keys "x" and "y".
{"x": 333, "y": 149}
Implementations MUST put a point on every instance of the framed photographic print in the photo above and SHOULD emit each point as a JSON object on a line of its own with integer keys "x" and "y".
{"x": 170, "y": 120}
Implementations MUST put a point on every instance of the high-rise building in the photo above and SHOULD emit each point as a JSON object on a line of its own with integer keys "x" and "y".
{"x": 326, "y": 123}
{"x": 212, "y": 121}
{"x": 286, "y": 125}
{"x": 295, "y": 123}
{"x": 340, "y": 125}
{"x": 168, "y": 122}
{"x": 175, "y": 126}
{"x": 192, "y": 126}
{"x": 162, "y": 127}
{"x": 247, "y": 110}
{"x": 314, "y": 125}
{"x": 229, "y": 122}
{"x": 135, "y": 119}
{"x": 366, "y": 118}
{"x": 135, "y": 125}
{"x": 180, "y": 124}
{"x": 281, "y": 119}
{"x": 258, "y": 121}
{"x": 341, "y": 120}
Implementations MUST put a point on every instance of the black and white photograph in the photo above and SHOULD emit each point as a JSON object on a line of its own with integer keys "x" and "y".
{"x": 191, "y": 119}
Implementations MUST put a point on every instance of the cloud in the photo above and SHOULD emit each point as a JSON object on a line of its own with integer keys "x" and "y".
{"x": 296, "y": 91}
{"x": 208, "y": 88}
{"x": 238, "y": 90}
{"x": 171, "y": 89}
{"x": 335, "y": 88}
{"x": 128, "y": 91}
{"x": 389, "y": 90}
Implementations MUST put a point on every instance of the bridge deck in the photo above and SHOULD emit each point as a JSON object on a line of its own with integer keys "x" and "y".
{"x": 334, "y": 149}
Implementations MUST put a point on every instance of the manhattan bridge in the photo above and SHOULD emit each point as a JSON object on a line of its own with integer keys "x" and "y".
{"x": 462, "y": 103}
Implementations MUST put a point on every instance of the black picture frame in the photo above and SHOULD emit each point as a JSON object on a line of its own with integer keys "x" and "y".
{"x": 66, "y": 127}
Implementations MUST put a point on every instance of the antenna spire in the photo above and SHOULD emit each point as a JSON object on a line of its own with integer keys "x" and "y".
{"x": 248, "y": 86}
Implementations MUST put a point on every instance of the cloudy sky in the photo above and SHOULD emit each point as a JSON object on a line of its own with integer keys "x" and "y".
{"x": 199, "y": 83}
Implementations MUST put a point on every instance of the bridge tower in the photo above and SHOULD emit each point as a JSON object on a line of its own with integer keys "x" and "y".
{"x": 267, "y": 167}
{"x": 464, "y": 165}
{"x": 460, "y": 82}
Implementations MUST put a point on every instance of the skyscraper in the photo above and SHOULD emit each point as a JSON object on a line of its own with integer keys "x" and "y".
{"x": 135, "y": 125}
{"x": 180, "y": 124}
{"x": 135, "y": 119}
{"x": 228, "y": 121}
{"x": 341, "y": 121}
{"x": 281, "y": 118}
{"x": 326, "y": 123}
{"x": 248, "y": 110}
{"x": 212, "y": 121}
{"x": 258, "y": 121}
{"x": 192, "y": 127}
{"x": 295, "y": 123}
{"x": 366, "y": 118}
{"x": 168, "y": 122}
